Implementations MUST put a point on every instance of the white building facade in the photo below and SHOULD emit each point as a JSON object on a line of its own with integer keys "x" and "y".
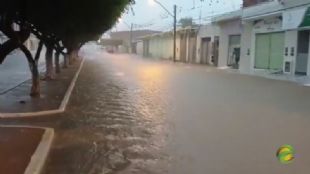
{"x": 208, "y": 44}
{"x": 230, "y": 28}
{"x": 271, "y": 37}
{"x": 296, "y": 23}
{"x": 160, "y": 45}
{"x": 274, "y": 38}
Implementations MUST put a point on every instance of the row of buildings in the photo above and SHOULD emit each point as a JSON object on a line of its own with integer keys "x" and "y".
{"x": 269, "y": 35}
{"x": 124, "y": 41}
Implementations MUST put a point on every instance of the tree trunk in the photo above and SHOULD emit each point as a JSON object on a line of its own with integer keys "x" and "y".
{"x": 71, "y": 58}
{"x": 57, "y": 65}
{"x": 66, "y": 61}
{"x": 73, "y": 55}
{"x": 76, "y": 54}
{"x": 6, "y": 48}
{"x": 49, "y": 74}
{"x": 16, "y": 39}
{"x": 35, "y": 88}
{"x": 38, "y": 53}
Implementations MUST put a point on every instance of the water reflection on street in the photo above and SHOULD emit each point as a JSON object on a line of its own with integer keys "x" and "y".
{"x": 128, "y": 115}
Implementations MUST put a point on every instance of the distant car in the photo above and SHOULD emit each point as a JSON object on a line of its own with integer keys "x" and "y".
{"x": 110, "y": 50}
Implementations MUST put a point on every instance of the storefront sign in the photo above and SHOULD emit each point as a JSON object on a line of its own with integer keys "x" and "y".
{"x": 268, "y": 25}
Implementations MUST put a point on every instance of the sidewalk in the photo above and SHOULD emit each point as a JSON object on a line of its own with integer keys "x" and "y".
{"x": 302, "y": 80}
{"x": 21, "y": 149}
{"x": 18, "y": 100}
{"x": 298, "y": 79}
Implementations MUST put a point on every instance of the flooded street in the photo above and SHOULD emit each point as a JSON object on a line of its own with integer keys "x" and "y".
{"x": 129, "y": 115}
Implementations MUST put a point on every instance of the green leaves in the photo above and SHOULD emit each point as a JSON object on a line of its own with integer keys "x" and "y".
{"x": 72, "y": 21}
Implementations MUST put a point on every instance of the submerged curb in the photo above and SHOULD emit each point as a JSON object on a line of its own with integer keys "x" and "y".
{"x": 61, "y": 108}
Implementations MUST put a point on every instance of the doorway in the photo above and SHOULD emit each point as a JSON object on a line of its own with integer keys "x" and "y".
{"x": 183, "y": 47}
{"x": 205, "y": 50}
{"x": 146, "y": 48}
{"x": 234, "y": 51}
{"x": 302, "y": 53}
{"x": 192, "y": 48}
{"x": 216, "y": 45}
{"x": 269, "y": 50}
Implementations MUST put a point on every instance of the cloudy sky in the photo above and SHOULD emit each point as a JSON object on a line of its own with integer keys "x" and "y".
{"x": 146, "y": 14}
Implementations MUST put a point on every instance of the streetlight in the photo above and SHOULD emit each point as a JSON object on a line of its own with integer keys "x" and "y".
{"x": 174, "y": 16}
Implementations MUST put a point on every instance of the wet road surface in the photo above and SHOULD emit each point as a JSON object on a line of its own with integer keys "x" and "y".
{"x": 129, "y": 115}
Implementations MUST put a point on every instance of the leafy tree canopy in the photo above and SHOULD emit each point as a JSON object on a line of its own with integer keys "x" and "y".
{"x": 72, "y": 21}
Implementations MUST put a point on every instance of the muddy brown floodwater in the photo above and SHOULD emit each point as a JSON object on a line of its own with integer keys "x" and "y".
{"x": 132, "y": 115}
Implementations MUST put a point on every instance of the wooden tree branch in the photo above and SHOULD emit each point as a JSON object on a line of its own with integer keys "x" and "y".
{"x": 37, "y": 56}
{"x": 6, "y": 49}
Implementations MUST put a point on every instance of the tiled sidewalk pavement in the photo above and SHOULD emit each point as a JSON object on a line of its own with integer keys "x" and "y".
{"x": 18, "y": 100}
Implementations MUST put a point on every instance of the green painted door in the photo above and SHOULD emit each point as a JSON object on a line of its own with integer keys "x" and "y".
{"x": 276, "y": 51}
{"x": 262, "y": 51}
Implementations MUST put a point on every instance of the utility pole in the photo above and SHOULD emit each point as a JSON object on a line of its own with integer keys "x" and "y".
{"x": 174, "y": 32}
{"x": 174, "y": 15}
{"x": 130, "y": 41}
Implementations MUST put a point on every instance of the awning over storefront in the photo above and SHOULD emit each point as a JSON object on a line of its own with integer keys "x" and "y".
{"x": 306, "y": 19}
{"x": 293, "y": 18}
{"x": 296, "y": 18}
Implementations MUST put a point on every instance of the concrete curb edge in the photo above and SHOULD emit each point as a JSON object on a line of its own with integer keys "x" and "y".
{"x": 39, "y": 157}
{"x": 67, "y": 96}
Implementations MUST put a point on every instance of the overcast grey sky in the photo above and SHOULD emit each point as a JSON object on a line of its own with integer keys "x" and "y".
{"x": 148, "y": 15}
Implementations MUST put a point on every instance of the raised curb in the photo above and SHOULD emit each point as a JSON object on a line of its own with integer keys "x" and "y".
{"x": 61, "y": 108}
{"x": 40, "y": 155}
